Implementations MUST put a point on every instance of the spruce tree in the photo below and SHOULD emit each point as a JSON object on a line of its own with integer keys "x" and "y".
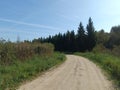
{"x": 91, "y": 38}
{"x": 72, "y": 41}
{"x": 81, "y": 38}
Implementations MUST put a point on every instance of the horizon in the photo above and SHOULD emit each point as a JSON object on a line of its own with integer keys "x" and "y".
{"x": 31, "y": 19}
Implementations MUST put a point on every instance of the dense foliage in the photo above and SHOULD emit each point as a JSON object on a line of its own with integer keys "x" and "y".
{"x": 109, "y": 42}
{"x": 84, "y": 40}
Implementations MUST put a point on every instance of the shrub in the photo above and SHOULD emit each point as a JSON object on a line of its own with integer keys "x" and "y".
{"x": 24, "y": 51}
{"x": 43, "y": 49}
{"x": 100, "y": 48}
{"x": 9, "y": 52}
{"x": 116, "y": 50}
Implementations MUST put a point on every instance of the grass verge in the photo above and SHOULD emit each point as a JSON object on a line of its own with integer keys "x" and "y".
{"x": 11, "y": 76}
{"x": 109, "y": 63}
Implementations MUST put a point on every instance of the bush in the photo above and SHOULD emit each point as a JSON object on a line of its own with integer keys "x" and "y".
{"x": 43, "y": 49}
{"x": 100, "y": 48}
{"x": 24, "y": 51}
{"x": 9, "y": 52}
{"x": 116, "y": 50}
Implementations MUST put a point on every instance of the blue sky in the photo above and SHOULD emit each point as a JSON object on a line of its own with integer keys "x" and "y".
{"x": 31, "y": 19}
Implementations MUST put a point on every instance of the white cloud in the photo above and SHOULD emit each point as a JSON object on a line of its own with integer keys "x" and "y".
{"x": 29, "y": 24}
{"x": 14, "y": 31}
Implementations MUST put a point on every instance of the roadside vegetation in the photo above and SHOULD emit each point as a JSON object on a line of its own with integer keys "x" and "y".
{"x": 108, "y": 62}
{"x": 23, "y": 61}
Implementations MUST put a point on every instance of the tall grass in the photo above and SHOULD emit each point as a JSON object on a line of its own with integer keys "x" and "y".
{"x": 108, "y": 62}
{"x": 12, "y": 75}
{"x": 10, "y": 52}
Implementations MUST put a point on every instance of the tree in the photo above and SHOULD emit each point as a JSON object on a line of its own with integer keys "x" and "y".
{"x": 81, "y": 38}
{"x": 102, "y": 37}
{"x": 91, "y": 38}
{"x": 68, "y": 42}
{"x": 114, "y": 37}
{"x": 72, "y": 41}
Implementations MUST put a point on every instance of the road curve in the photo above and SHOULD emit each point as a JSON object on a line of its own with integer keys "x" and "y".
{"x": 77, "y": 73}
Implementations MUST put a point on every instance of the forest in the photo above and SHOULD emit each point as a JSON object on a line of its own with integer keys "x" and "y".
{"x": 86, "y": 39}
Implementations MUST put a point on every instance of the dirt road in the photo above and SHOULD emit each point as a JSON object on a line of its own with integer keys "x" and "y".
{"x": 77, "y": 73}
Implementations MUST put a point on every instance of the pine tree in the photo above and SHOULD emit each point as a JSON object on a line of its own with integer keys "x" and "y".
{"x": 81, "y": 38}
{"x": 72, "y": 41}
{"x": 91, "y": 38}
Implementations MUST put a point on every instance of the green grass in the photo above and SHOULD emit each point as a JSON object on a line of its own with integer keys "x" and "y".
{"x": 109, "y": 63}
{"x": 13, "y": 75}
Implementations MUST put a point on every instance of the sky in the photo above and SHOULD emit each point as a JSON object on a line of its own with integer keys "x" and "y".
{"x": 29, "y": 19}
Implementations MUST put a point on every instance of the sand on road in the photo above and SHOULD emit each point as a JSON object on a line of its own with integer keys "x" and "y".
{"x": 77, "y": 73}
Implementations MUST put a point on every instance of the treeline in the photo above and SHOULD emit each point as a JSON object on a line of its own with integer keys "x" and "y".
{"x": 11, "y": 52}
{"x": 83, "y": 40}
{"x": 86, "y": 39}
